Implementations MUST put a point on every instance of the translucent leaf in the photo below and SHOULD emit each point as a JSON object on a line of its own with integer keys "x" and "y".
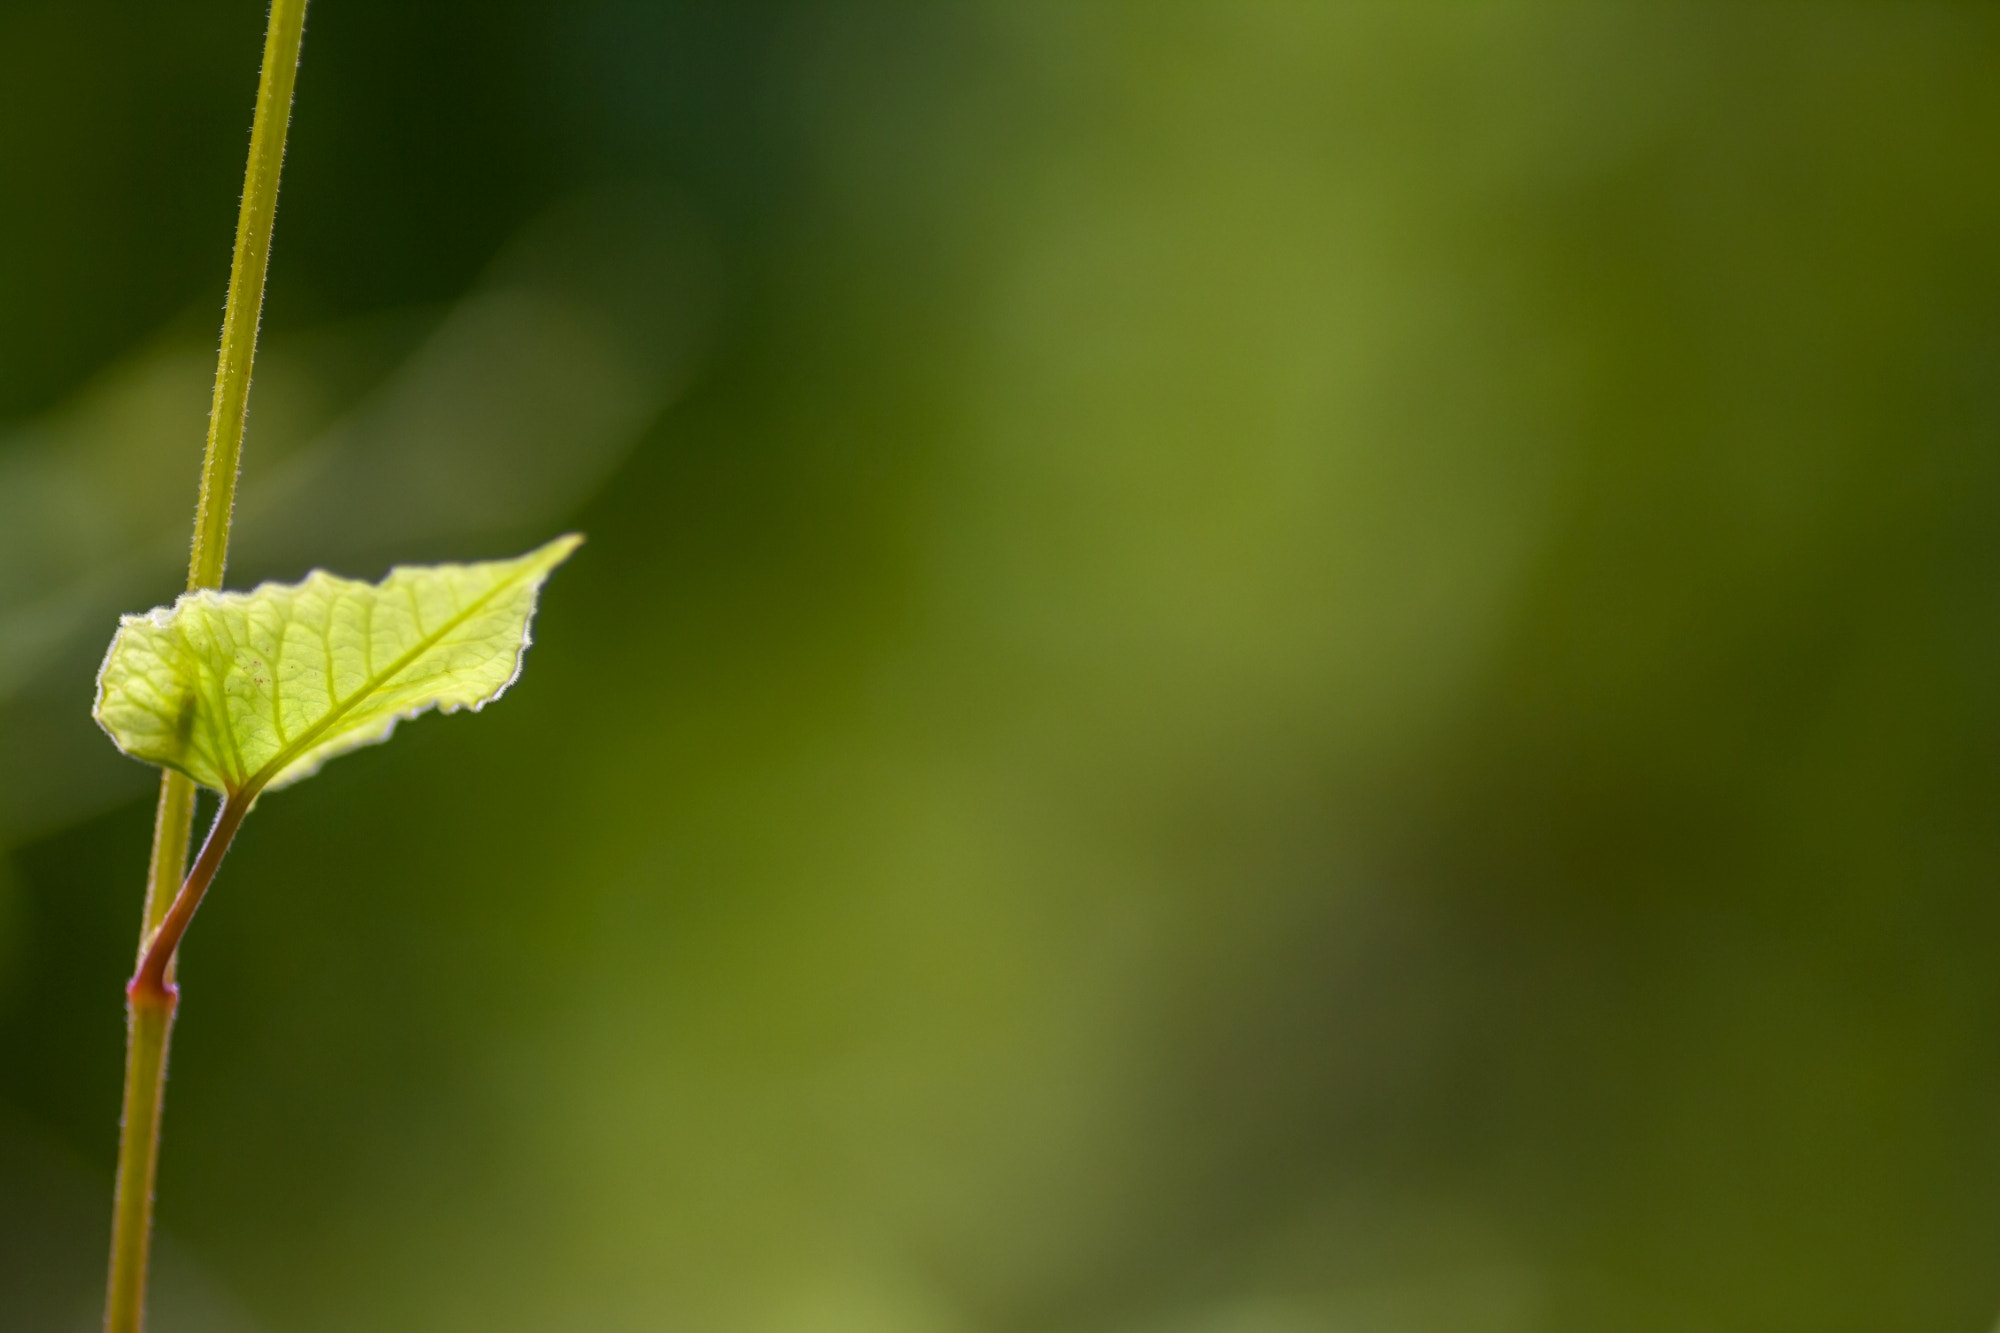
{"x": 245, "y": 691}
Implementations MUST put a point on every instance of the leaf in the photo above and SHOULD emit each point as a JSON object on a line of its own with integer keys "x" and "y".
{"x": 246, "y": 691}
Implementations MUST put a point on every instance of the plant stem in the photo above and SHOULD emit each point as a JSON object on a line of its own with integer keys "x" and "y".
{"x": 147, "y": 1029}
{"x": 172, "y": 822}
{"x": 151, "y": 999}
{"x": 151, "y": 980}
{"x": 245, "y": 307}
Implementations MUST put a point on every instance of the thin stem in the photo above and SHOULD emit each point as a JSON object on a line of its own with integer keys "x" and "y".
{"x": 148, "y": 1029}
{"x": 152, "y": 999}
{"x": 173, "y": 820}
{"x": 245, "y": 307}
{"x": 151, "y": 980}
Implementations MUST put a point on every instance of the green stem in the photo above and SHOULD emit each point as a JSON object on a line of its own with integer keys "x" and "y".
{"x": 151, "y": 999}
{"x": 245, "y": 307}
{"x": 172, "y": 822}
{"x": 147, "y": 1030}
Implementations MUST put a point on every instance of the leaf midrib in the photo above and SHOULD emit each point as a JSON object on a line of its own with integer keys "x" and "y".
{"x": 278, "y": 762}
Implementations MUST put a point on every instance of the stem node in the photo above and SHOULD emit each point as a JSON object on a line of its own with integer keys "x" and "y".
{"x": 145, "y": 992}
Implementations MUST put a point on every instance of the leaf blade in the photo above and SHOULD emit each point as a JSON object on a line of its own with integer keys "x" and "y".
{"x": 250, "y": 691}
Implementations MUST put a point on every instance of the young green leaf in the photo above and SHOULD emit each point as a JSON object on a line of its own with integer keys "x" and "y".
{"x": 246, "y": 691}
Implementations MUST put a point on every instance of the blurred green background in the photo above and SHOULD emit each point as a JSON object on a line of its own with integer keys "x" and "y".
{"x": 1243, "y": 667}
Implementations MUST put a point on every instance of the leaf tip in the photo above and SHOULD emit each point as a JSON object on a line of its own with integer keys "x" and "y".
{"x": 562, "y": 547}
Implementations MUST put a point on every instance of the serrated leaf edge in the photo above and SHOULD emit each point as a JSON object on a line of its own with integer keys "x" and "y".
{"x": 162, "y": 617}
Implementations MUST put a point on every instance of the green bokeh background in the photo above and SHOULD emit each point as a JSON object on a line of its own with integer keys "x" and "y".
{"x": 1242, "y": 668}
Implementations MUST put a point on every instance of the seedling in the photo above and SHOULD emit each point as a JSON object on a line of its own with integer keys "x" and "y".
{"x": 244, "y": 693}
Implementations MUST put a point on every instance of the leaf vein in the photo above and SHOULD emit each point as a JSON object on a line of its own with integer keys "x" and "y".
{"x": 293, "y": 751}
